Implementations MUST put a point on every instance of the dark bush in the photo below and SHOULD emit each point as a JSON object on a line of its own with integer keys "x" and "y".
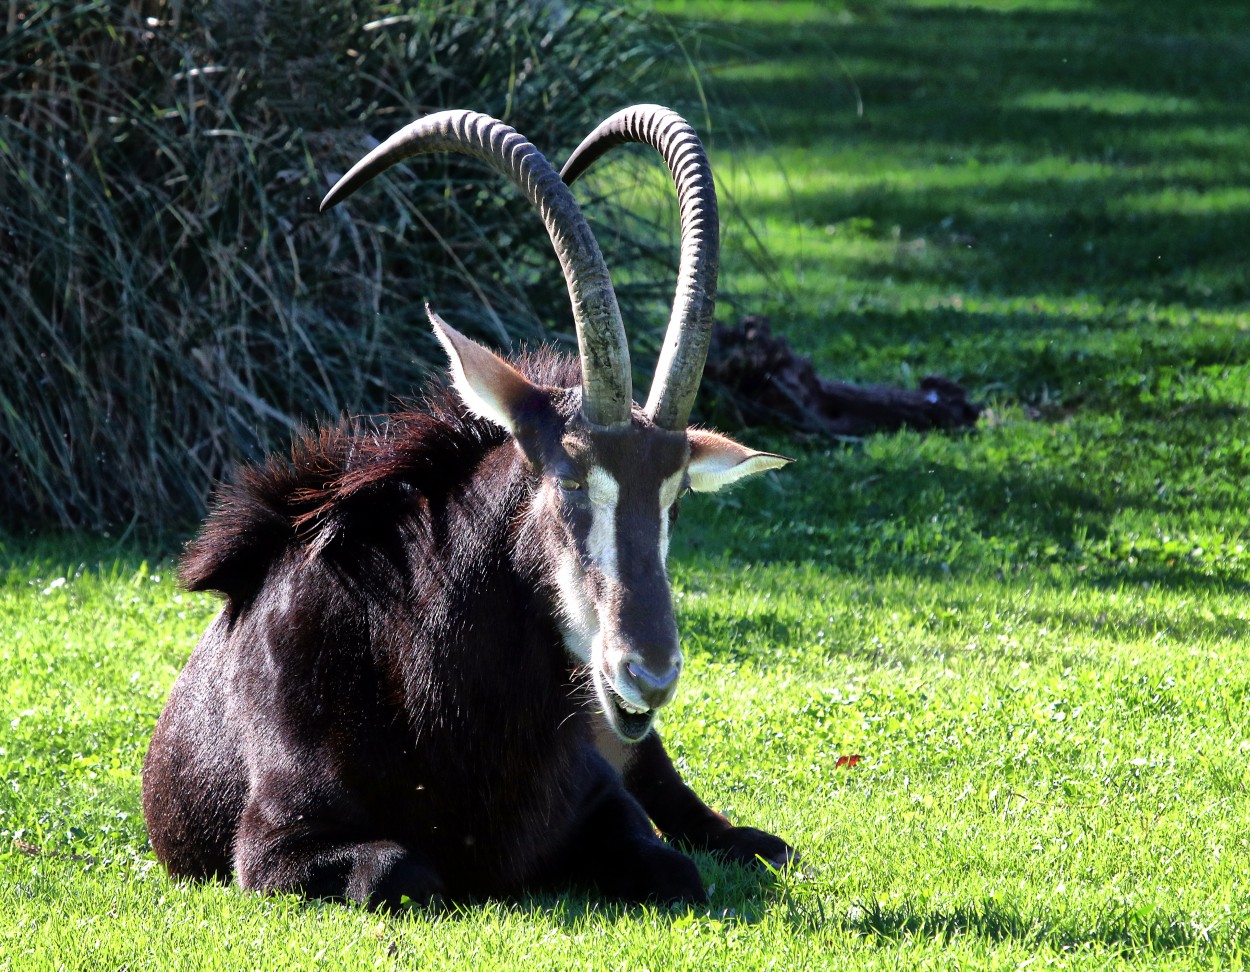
{"x": 175, "y": 303}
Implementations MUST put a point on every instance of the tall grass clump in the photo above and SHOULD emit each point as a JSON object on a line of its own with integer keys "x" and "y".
{"x": 174, "y": 301}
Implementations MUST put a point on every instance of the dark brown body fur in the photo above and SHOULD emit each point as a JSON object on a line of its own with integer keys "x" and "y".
{"x": 384, "y": 707}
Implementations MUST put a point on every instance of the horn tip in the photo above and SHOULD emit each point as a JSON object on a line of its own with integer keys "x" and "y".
{"x": 335, "y": 196}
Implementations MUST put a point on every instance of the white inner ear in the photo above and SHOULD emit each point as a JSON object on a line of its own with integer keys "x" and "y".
{"x": 479, "y": 396}
{"x": 717, "y": 469}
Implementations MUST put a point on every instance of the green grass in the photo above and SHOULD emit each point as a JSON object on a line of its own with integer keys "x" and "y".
{"x": 1036, "y": 635}
{"x": 1049, "y": 768}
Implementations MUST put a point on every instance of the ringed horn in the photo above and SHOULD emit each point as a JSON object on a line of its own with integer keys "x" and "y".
{"x": 680, "y": 367}
{"x": 607, "y": 385}
{"x": 607, "y": 388}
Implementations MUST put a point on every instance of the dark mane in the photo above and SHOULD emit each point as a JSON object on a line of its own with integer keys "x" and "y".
{"x": 344, "y": 483}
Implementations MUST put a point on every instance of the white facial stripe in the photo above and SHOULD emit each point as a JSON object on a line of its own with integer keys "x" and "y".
{"x": 581, "y": 621}
{"x": 602, "y": 486}
{"x": 669, "y": 489}
{"x": 604, "y": 491}
{"x": 668, "y": 496}
{"x": 581, "y": 624}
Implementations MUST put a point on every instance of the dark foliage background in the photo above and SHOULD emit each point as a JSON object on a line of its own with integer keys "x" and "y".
{"x": 174, "y": 301}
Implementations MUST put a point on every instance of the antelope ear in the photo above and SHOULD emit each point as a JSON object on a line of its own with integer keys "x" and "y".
{"x": 489, "y": 387}
{"x": 717, "y": 461}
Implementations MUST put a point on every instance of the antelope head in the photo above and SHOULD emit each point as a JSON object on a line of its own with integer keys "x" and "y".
{"x": 607, "y": 475}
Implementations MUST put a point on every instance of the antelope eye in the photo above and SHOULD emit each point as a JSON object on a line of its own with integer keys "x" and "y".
{"x": 570, "y": 485}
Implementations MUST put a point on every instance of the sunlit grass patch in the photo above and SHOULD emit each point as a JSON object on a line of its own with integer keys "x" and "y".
{"x": 1109, "y": 101}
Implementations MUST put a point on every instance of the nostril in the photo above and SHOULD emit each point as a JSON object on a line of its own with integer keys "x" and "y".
{"x": 651, "y": 681}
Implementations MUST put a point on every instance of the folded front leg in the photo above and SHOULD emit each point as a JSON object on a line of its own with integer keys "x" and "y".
{"x": 650, "y": 775}
{"x": 614, "y": 848}
{"x": 319, "y": 860}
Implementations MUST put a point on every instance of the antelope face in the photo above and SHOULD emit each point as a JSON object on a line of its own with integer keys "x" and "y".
{"x": 608, "y": 502}
{"x": 601, "y": 517}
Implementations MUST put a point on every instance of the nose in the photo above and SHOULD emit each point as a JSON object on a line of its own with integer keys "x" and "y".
{"x": 656, "y": 684}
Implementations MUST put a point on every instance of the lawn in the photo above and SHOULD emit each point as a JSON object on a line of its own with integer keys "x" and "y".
{"x": 1035, "y": 636}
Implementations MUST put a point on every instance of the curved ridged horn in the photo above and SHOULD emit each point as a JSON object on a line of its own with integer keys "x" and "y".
{"x": 607, "y": 385}
{"x": 680, "y": 368}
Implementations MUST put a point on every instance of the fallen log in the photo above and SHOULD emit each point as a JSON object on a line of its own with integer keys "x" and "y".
{"x": 756, "y": 378}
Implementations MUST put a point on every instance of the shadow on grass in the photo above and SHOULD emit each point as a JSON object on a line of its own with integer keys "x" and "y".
{"x": 1087, "y": 161}
{"x": 1121, "y": 236}
{"x": 960, "y": 71}
{"x": 1123, "y": 931}
{"x": 909, "y": 511}
{"x": 742, "y": 894}
{"x": 64, "y": 550}
{"x": 1032, "y": 150}
{"x": 748, "y": 897}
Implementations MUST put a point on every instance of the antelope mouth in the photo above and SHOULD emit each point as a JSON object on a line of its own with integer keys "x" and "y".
{"x": 629, "y": 721}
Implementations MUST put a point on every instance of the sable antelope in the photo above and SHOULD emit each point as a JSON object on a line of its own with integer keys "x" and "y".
{"x": 445, "y": 638}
